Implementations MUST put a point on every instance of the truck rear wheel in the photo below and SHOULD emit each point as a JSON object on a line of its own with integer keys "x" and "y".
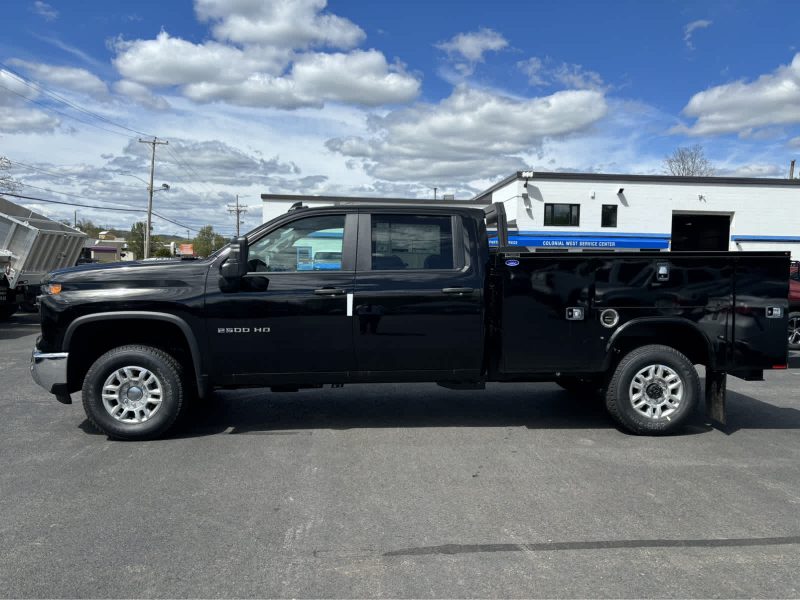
{"x": 653, "y": 391}
{"x": 133, "y": 392}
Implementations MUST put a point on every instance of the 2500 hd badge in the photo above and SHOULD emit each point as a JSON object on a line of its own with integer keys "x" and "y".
{"x": 243, "y": 329}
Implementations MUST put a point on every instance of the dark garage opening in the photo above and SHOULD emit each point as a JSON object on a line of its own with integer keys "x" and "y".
{"x": 700, "y": 232}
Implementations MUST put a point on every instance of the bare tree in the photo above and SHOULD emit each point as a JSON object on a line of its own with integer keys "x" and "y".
{"x": 690, "y": 160}
{"x": 7, "y": 183}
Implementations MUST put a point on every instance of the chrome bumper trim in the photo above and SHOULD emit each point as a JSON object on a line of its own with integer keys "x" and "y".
{"x": 49, "y": 369}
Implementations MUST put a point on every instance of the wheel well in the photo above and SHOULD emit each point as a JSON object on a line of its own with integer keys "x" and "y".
{"x": 91, "y": 340}
{"x": 685, "y": 338}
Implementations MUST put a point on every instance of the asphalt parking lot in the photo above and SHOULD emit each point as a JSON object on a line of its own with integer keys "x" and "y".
{"x": 397, "y": 491}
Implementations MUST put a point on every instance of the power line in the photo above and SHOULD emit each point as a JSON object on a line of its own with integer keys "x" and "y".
{"x": 129, "y": 210}
{"x": 41, "y": 189}
{"x": 121, "y": 186}
{"x": 50, "y": 108}
{"x": 182, "y": 179}
{"x": 39, "y": 87}
{"x": 134, "y": 210}
{"x": 71, "y": 175}
{"x": 190, "y": 169}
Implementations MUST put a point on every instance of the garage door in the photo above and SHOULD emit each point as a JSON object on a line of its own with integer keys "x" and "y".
{"x": 700, "y": 232}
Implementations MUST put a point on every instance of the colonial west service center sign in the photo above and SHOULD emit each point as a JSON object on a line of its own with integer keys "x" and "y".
{"x": 587, "y": 240}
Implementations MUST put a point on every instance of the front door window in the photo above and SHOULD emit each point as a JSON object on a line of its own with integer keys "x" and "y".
{"x": 312, "y": 244}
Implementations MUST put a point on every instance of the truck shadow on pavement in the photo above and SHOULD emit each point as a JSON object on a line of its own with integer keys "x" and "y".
{"x": 268, "y": 413}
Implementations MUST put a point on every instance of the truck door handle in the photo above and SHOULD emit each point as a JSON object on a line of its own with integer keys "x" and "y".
{"x": 458, "y": 290}
{"x": 329, "y": 291}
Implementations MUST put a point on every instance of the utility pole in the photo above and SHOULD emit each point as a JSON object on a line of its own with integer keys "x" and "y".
{"x": 791, "y": 170}
{"x": 154, "y": 142}
{"x": 237, "y": 210}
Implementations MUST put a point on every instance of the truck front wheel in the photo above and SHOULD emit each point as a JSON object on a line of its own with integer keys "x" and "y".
{"x": 653, "y": 391}
{"x": 133, "y": 392}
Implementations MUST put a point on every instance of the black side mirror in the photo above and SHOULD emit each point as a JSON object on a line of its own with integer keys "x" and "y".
{"x": 235, "y": 266}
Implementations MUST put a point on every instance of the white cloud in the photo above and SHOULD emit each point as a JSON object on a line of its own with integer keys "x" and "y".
{"x": 740, "y": 107}
{"x": 754, "y": 170}
{"x": 16, "y": 116}
{"x": 794, "y": 142}
{"x": 467, "y": 49}
{"x": 279, "y": 23}
{"x": 255, "y": 76}
{"x": 25, "y": 120}
{"x": 690, "y": 28}
{"x": 76, "y": 52}
{"x": 533, "y": 67}
{"x": 44, "y": 10}
{"x": 213, "y": 160}
{"x": 576, "y": 77}
{"x": 470, "y": 135}
{"x": 543, "y": 72}
{"x": 70, "y": 78}
{"x": 359, "y": 77}
{"x": 140, "y": 94}
{"x": 168, "y": 61}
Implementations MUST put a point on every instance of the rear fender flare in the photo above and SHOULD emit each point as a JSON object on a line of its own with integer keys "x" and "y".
{"x": 630, "y": 326}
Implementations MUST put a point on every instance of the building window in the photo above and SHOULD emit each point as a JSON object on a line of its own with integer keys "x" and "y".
{"x": 609, "y": 215}
{"x": 565, "y": 215}
{"x": 411, "y": 242}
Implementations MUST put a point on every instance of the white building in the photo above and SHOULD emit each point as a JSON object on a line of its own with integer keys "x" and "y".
{"x": 591, "y": 211}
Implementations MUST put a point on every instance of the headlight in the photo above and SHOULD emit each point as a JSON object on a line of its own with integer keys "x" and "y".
{"x": 51, "y": 288}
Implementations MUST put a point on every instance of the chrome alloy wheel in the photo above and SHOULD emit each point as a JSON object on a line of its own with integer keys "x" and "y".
{"x": 132, "y": 394}
{"x": 794, "y": 330}
{"x": 656, "y": 391}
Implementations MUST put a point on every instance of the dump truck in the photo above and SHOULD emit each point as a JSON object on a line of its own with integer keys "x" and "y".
{"x": 31, "y": 245}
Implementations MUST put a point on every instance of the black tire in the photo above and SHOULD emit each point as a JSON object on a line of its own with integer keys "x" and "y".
{"x": 794, "y": 331}
{"x": 6, "y": 310}
{"x": 620, "y": 401}
{"x": 582, "y": 387}
{"x": 168, "y": 378}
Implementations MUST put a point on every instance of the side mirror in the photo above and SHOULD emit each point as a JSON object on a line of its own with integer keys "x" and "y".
{"x": 235, "y": 266}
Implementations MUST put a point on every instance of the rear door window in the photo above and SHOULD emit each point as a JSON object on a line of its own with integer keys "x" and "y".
{"x": 411, "y": 242}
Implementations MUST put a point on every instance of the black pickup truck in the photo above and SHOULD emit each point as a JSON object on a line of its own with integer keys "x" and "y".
{"x": 383, "y": 294}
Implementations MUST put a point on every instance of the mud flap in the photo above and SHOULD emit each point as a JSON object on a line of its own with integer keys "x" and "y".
{"x": 716, "y": 387}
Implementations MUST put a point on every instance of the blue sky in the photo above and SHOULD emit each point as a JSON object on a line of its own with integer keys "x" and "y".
{"x": 380, "y": 98}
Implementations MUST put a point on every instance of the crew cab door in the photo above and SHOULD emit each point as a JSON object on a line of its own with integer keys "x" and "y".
{"x": 418, "y": 306}
{"x": 290, "y": 318}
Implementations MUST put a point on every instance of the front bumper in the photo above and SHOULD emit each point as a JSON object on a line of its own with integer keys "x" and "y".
{"x": 49, "y": 370}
